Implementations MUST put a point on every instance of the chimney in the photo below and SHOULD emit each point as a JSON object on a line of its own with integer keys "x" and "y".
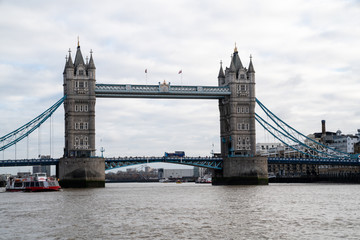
{"x": 323, "y": 129}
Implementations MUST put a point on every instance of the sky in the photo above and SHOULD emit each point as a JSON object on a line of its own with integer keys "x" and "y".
{"x": 306, "y": 55}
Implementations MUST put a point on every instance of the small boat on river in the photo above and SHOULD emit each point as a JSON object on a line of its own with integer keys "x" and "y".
{"x": 37, "y": 183}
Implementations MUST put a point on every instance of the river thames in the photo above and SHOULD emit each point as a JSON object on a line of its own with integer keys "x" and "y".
{"x": 184, "y": 211}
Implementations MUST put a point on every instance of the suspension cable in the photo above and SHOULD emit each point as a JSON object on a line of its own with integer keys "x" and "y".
{"x": 318, "y": 147}
{"x": 25, "y": 130}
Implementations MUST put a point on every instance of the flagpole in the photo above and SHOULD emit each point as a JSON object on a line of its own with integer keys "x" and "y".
{"x": 180, "y": 72}
{"x": 146, "y": 76}
{"x": 181, "y": 78}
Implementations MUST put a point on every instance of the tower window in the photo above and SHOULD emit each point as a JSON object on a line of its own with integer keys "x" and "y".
{"x": 81, "y": 126}
{"x": 81, "y": 72}
{"x": 242, "y": 76}
{"x": 81, "y": 142}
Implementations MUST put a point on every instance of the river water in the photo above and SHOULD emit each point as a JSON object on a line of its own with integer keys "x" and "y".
{"x": 184, "y": 211}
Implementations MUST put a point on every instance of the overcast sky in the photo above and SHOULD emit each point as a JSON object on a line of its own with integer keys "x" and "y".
{"x": 306, "y": 55}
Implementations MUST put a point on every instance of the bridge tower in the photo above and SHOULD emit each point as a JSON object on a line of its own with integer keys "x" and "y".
{"x": 237, "y": 127}
{"x": 79, "y": 167}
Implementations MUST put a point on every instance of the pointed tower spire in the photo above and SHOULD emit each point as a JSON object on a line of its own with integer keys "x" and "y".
{"x": 91, "y": 64}
{"x": 69, "y": 63}
{"x": 221, "y": 71}
{"x": 235, "y": 61}
{"x": 78, "y": 57}
{"x": 251, "y": 67}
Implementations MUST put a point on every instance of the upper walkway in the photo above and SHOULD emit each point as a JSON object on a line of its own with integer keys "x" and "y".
{"x": 163, "y": 90}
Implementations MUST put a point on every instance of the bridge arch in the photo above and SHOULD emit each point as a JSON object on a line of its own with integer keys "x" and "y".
{"x": 205, "y": 162}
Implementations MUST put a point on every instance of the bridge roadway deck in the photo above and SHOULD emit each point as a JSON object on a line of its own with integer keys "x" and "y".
{"x": 160, "y": 91}
{"x": 207, "y": 162}
{"x": 111, "y": 163}
{"x": 316, "y": 161}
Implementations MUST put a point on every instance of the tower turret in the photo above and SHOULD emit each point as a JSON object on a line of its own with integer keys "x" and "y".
{"x": 79, "y": 167}
{"x": 237, "y": 128}
{"x": 251, "y": 71}
{"x": 221, "y": 76}
{"x": 79, "y": 86}
{"x": 237, "y": 117}
{"x": 236, "y": 63}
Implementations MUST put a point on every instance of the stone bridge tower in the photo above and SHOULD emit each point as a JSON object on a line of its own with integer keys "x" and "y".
{"x": 237, "y": 127}
{"x": 79, "y": 167}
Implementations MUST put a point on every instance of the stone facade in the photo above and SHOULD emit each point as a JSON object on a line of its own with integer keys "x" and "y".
{"x": 79, "y": 88}
{"x": 237, "y": 127}
{"x": 82, "y": 172}
{"x": 237, "y": 112}
{"x": 79, "y": 167}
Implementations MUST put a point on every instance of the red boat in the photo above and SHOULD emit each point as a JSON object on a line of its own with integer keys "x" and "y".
{"x": 38, "y": 183}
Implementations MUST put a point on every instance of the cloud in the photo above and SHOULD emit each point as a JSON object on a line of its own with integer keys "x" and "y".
{"x": 306, "y": 63}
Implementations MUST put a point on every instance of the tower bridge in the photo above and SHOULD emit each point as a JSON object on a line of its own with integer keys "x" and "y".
{"x": 235, "y": 96}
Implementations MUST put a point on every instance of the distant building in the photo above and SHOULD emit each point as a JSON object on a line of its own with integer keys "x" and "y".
{"x": 177, "y": 173}
{"x": 42, "y": 169}
{"x": 268, "y": 149}
{"x": 23, "y": 174}
{"x": 341, "y": 142}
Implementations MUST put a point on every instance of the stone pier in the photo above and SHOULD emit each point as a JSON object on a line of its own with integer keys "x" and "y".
{"x": 242, "y": 171}
{"x": 82, "y": 172}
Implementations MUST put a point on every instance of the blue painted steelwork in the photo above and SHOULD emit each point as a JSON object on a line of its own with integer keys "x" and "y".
{"x": 112, "y": 163}
{"x": 28, "y": 162}
{"x": 160, "y": 91}
{"x": 262, "y": 122}
{"x": 206, "y": 162}
{"x": 315, "y": 161}
{"x": 15, "y": 136}
{"x": 300, "y": 142}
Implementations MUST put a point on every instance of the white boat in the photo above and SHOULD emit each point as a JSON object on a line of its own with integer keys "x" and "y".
{"x": 37, "y": 183}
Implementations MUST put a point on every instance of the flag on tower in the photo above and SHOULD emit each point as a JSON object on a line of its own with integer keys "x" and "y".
{"x": 180, "y": 72}
{"x": 146, "y": 70}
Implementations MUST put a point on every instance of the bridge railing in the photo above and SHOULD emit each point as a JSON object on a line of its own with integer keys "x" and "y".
{"x": 317, "y": 161}
{"x": 161, "y": 91}
{"x": 29, "y": 162}
{"x": 207, "y": 162}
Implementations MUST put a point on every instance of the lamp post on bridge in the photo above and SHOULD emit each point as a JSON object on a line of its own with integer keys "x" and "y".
{"x": 102, "y": 150}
